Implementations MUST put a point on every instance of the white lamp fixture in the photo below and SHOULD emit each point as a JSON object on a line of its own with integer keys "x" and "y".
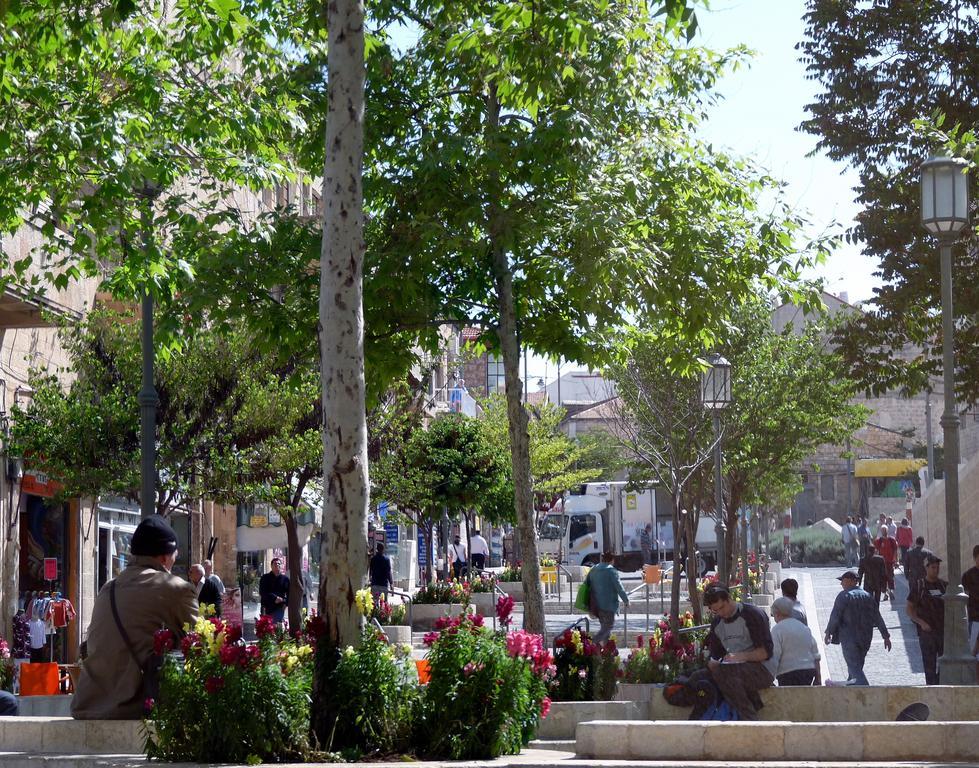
{"x": 945, "y": 196}
{"x": 715, "y": 384}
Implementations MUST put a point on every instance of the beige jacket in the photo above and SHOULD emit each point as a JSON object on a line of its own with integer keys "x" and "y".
{"x": 148, "y": 598}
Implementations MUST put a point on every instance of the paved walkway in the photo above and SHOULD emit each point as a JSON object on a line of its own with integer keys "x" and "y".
{"x": 818, "y": 588}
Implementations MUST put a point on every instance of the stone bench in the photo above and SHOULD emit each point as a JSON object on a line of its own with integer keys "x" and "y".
{"x": 852, "y": 704}
{"x": 750, "y": 741}
{"x": 64, "y": 735}
{"x": 561, "y": 721}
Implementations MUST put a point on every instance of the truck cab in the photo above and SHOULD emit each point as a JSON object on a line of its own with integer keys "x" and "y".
{"x": 576, "y": 534}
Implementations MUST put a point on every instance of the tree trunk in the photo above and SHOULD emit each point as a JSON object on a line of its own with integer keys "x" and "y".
{"x": 295, "y": 556}
{"x": 516, "y": 412}
{"x": 693, "y": 575}
{"x": 341, "y": 332}
{"x": 10, "y": 564}
{"x": 678, "y": 531}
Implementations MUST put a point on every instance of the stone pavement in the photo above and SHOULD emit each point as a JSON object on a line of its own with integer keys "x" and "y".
{"x": 818, "y": 587}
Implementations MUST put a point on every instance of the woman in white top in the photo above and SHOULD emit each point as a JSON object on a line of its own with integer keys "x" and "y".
{"x": 795, "y": 655}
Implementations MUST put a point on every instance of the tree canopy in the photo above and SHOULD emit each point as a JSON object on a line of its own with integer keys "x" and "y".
{"x": 883, "y": 67}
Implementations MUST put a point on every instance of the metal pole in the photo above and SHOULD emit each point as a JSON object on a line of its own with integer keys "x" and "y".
{"x": 849, "y": 480}
{"x": 148, "y": 397}
{"x": 930, "y": 439}
{"x": 721, "y": 527}
{"x": 745, "y": 590}
{"x": 956, "y": 666}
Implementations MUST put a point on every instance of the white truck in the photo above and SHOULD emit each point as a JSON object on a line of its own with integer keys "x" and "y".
{"x": 607, "y": 517}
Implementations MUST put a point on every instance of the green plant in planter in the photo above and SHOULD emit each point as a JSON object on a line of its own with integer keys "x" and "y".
{"x": 376, "y": 685}
{"x": 662, "y": 656}
{"x": 584, "y": 670}
{"x": 511, "y": 573}
{"x": 440, "y": 592}
{"x": 486, "y": 694}
{"x": 231, "y": 702}
{"x": 482, "y": 584}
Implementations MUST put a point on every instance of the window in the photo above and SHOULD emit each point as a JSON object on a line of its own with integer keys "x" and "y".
{"x": 827, "y": 487}
{"x": 495, "y": 379}
{"x": 581, "y": 525}
{"x": 552, "y": 527}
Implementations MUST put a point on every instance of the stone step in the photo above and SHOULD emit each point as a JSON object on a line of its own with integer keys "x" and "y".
{"x": 553, "y": 745}
{"x": 67, "y": 736}
{"x": 774, "y": 741}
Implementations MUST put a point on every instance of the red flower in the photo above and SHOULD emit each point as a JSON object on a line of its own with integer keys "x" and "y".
{"x": 265, "y": 626}
{"x": 250, "y": 657}
{"x": 315, "y": 627}
{"x": 232, "y": 633}
{"x": 148, "y": 705}
{"x": 190, "y": 644}
{"x": 230, "y": 654}
{"x": 639, "y": 642}
{"x": 163, "y": 642}
{"x": 476, "y": 620}
{"x": 504, "y": 609}
{"x": 430, "y": 638}
{"x": 213, "y": 684}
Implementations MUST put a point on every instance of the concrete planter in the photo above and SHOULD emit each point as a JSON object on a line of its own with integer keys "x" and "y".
{"x": 641, "y": 693}
{"x": 512, "y": 588}
{"x": 397, "y": 633}
{"x": 424, "y": 616}
{"x": 564, "y": 716}
{"x": 484, "y": 603}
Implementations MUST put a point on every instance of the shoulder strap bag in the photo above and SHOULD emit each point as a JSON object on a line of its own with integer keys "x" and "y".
{"x": 150, "y": 669}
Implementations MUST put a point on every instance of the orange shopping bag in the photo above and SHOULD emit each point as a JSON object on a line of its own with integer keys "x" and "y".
{"x": 39, "y": 679}
{"x": 424, "y": 670}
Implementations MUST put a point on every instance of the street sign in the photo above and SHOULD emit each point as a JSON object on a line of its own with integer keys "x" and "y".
{"x": 422, "y": 549}
{"x": 50, "y": 569}
{"x": 391, "y": 532}
{"x": 382, "y": 509}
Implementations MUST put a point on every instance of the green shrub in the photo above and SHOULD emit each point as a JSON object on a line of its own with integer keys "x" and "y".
{"x": 486, "y": 694}
{"x": 812, "y": 546}
{"x": 376, "y": 687}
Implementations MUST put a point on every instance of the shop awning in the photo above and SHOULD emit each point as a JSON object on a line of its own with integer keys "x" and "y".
{"x": 888, "y": 467}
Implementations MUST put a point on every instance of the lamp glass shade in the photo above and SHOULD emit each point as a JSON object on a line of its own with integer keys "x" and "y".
{"x": 945, "y": 196}
{"x": 715, "y": 384}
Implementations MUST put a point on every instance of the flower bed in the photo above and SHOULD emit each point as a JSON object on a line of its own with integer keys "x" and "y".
{"x": 663, "y": 655}
{"x": 229, "y": 701}
{"x": 584, "y": 670}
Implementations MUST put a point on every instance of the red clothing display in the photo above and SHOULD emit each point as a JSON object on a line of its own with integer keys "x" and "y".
{"x": 62, "y": 611}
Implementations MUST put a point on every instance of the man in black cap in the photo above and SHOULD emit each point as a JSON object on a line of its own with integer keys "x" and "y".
{"x": 142, "y": 599}
{"x": 926, "y": 608}
{"x": 851, "y": 624}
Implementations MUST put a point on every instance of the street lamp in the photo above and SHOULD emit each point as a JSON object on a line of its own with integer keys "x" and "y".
{"x": 715, "y": 394}
{"x": 945, "y": 213}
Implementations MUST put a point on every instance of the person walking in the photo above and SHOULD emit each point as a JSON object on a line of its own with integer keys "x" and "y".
{"x": 273, "y": 592}
{"x": 128, "y": 611}
{"x": 970, "y": 583}
{"x": 863, "y": 532}
{"x": 739, "y": 643}
{"x": 886, "y": 546}
{"x": 606, "y": 591}
{"x": 905, "y": 540}
{"x": 872, "y": 574}
{"x": 790, "y": 589}
{"x": 795, "y": 653}
{"x": 457, "y": 557}
{"x": 379, "y": 572}
{"x": 851, "y": 625}
{"x": 646, "y": 544}
{"x": 926, "y": 608}
{"x": 915, "y": 566}
{"x": 851, "y": 542}
{"x": 478, "y": 551}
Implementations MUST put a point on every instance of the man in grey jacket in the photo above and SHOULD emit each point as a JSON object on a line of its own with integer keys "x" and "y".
{"x": 148, "y": 597}
{"x": 851, "y": 624}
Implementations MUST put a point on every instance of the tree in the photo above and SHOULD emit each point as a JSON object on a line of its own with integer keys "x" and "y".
{"x": 882, "y": 67}
{"x": 660, "y": 420}
{"x": 546, "y": 164}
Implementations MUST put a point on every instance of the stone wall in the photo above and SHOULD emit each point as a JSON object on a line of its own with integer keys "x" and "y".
{"x": 929, "y": 516}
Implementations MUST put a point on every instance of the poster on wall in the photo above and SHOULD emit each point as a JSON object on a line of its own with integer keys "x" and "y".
{"x": 231, "y": 608}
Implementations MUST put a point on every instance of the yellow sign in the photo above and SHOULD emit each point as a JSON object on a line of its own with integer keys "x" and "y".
{"x": 548, "y": 575}
{"x": 258, "y": 521}
{"x": 631, "y": 501}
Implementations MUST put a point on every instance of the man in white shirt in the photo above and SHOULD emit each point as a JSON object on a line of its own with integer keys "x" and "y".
{"x": 210, "y": 574}
{"x": 479, "y": 550}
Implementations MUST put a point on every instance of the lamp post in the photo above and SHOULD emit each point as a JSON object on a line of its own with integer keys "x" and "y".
{"x": 945, "y": 213}
{"x": 715, "y": 394}
{"x": 148, "y": 398}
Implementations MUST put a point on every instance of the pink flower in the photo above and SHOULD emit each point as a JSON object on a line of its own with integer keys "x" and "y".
{"x": 251, "y": 656}
{"x": 430, "y": 638}
{"x": 472, "y": 667}
{"x": 545, "y": 706}
{"x": 148, "y": 703}
{"x": 504, "y": 609}
{"x": 213, "y": 684}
